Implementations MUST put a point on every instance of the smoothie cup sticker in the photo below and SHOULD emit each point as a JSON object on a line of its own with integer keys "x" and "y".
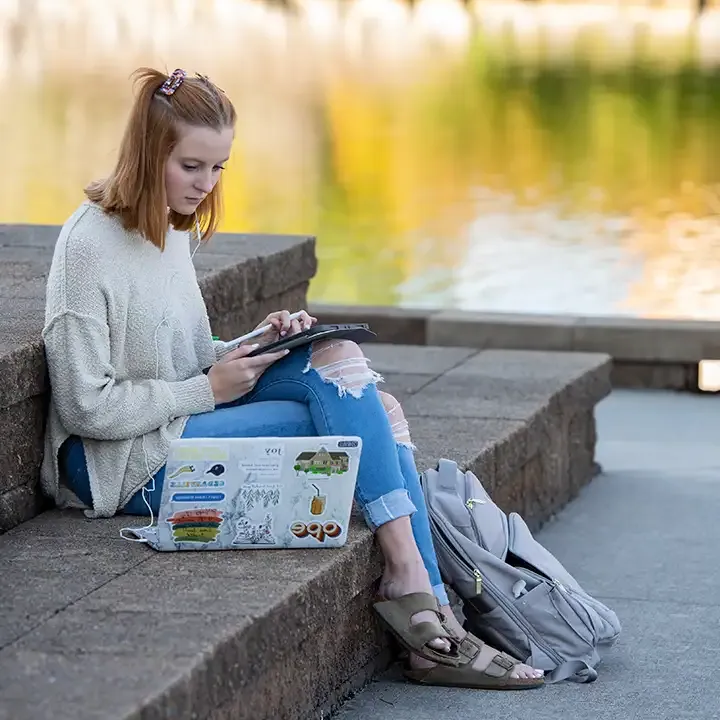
{"x": 317, "y": 504}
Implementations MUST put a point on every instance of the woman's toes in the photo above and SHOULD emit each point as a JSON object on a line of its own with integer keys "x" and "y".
{"x": 440, "y": 645}
{"x": 525, "y": 672}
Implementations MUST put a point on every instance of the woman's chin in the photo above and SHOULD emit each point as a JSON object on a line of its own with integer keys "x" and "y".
{"x": 185, "y": 208}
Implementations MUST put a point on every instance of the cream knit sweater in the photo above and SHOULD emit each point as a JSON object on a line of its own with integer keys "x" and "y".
{"x": 126, "y": 338}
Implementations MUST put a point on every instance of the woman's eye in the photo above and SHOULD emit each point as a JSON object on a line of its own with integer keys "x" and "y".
{"x": 219, "y": 167}
{"x": 190, "y": 167}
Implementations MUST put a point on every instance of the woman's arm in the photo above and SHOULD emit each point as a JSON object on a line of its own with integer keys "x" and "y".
{"x": 92, "y": 403}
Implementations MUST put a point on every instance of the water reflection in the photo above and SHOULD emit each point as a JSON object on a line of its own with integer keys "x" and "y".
{"x": 491, "y": 156}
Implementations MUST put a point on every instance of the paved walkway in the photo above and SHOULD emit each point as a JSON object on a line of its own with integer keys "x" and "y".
{"x": 644, "y": 537}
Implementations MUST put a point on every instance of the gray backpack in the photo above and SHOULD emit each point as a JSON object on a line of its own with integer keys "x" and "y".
{"x": 517, "y": 596}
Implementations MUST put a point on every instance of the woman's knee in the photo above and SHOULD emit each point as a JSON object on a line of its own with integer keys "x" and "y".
{"x": 391, "y": 405}
{"x": 326, "y": 351}
{"x": 342, "y": 363}
{"x": 396, "y": 416}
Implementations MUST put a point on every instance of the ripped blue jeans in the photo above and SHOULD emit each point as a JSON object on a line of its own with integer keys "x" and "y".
{"x": 293, "y": 398}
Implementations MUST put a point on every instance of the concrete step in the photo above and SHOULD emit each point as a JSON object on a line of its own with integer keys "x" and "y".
{"x": 92, "y": 626}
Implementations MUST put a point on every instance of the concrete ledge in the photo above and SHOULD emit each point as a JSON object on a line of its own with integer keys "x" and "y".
{"x": 242, "y": 278}
{"x": 113, "y": 630}
{"x": 646, "y": 353}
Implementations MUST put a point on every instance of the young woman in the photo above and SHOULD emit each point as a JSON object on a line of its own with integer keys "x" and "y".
{"x": 129, "y": 344}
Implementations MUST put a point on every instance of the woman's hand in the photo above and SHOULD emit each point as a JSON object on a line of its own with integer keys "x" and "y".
{"x": 236, "y": 374}
{"x": 283, "y": 327}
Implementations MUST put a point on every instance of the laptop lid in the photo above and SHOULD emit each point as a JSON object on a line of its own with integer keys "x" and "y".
{"x": 257, "y": 493}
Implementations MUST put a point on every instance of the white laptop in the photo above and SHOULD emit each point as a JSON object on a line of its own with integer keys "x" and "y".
{"x": 256, "y": 494}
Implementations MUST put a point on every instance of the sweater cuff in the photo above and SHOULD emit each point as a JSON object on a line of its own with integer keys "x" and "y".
{"x": 221, "y": 348}
{"x": 192, "y": 396}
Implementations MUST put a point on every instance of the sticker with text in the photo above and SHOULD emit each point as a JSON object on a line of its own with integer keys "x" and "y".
{"x": 196, "y": 484}
{"x": 200, "y": 525}
{"x": 264, "y": 462}
{"x": 317, "y": 530}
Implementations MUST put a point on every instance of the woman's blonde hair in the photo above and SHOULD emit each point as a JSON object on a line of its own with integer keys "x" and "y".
{"x": 135, "y": 191}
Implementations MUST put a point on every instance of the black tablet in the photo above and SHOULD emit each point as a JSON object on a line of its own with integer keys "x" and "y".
{"x": 357, "y": 332}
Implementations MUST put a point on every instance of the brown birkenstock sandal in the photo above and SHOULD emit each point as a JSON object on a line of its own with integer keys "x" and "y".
{"x": 415, "y": 637}
{"x": 496, "y": 675}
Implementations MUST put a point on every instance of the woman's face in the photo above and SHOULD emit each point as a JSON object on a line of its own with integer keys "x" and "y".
{"x": 194, "y": 166}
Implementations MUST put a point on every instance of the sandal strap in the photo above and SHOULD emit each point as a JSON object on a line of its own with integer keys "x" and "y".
{"x": 422, "y": 633}
{"x": 413, "y": 603}
{"x": 503, "y": 662}
{"x": 416, "y": 637}
{"x": 468, "y": 649}
{"x": 471, "y": 646}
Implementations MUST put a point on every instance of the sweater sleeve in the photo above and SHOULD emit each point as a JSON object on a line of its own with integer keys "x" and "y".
{"x": 91, "y": 402}
{"x": 220, "y": 348}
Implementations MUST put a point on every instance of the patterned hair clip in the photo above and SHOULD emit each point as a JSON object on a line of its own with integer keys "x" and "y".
{"x": 173, "y": 82}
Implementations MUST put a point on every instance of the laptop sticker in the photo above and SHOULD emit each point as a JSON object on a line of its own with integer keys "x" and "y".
{"x": 316, "y": 529}
{"x": 321, "y": 462}
{"x": 195, "y": 526}
{"x": 251, "y": 534}
{"x": 183, "y": 469}
{"x": 217, "y": 470}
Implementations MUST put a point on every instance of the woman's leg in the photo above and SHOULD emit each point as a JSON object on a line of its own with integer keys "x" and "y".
{"x": 335, "y": 382}
{"x": 419, "y": 521}
{"x": 423, "y": 537}
{"x": 270, "y": 419}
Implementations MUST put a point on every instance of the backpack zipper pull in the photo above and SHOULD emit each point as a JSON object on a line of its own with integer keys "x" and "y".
{"x": 470, "y": 502}
{"x": 478, "y": 582}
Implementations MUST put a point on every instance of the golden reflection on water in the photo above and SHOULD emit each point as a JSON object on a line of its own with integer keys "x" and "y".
{"x": 500, "y": 156}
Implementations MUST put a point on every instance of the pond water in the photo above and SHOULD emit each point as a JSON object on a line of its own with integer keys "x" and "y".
{"x": 490, "y": 156}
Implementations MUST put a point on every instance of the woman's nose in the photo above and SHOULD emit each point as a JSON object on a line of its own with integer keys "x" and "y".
{"x": 204, "y": 182}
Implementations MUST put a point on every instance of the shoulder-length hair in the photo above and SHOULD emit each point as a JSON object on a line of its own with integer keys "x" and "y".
{"x": 135, "y": 191}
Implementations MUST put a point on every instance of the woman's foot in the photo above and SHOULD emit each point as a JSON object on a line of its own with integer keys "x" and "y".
{"x": 484, "y": 657}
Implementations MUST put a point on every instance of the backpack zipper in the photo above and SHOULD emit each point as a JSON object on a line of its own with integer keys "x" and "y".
{"x": 469, "y": 503}
{"x": 478, "y": 582}
{"x": 498, "y": 597}
{"x": 474, "y": 501}
{"x": 469, "y": 506}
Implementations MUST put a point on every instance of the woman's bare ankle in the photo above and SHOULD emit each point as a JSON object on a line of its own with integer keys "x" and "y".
{"x": 404, "y": 578}
{"x": 397, "y": 542}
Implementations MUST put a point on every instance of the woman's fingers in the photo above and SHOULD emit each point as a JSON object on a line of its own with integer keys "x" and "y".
{"x": 283, "y": 326}
{"x": 264, "y": 360}
{"x": 284, "y": 317}
{"x": 240, "y": 351}
{"x": 306, "y": 321}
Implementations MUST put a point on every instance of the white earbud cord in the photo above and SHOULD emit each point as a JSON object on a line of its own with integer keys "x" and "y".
{"x": 145, "y": 491}
{"x": 198, "y": 236}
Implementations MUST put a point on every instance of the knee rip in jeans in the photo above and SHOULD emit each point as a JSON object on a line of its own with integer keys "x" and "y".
{"x": 342, "y": 364}
{"x": 398, "y": 423}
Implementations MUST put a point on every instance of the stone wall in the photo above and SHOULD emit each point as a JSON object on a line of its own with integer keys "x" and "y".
{"x": 661, "y": 354}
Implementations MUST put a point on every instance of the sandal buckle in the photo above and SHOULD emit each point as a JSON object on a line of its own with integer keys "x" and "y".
{"x": 469, "y": 649}
{"x": 503, "y": 662}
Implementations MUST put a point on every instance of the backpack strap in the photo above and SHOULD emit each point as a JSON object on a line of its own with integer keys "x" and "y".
{"x": 573, "y": 671}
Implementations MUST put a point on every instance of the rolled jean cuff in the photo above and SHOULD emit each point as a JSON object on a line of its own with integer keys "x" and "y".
{"x": 441, "y": 594}
{"x": 388, "y": 507}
